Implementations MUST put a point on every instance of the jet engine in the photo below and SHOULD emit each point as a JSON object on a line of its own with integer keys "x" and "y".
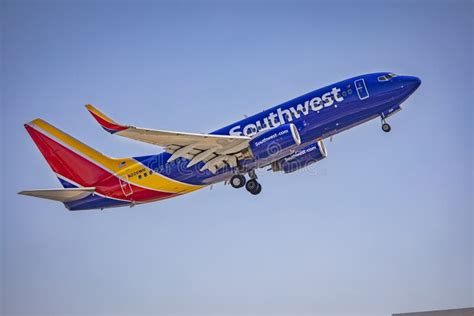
{"x": 275, "y": 143}
{"x": 301, "y": 158}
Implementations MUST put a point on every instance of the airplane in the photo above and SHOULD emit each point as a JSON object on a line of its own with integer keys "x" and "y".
{"x": 284, "y": 138}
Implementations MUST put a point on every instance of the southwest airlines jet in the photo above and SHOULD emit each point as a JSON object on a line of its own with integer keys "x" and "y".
{"x": 284, "y": 138}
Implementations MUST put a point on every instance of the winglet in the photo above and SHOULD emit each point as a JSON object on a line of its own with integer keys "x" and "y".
{"x": 106, "y": 122}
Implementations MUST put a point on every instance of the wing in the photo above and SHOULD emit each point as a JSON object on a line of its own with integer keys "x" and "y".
{"x": 216, "y": 151}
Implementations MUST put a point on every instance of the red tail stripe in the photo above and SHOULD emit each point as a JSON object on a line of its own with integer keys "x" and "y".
{"x": 71, "y": 165}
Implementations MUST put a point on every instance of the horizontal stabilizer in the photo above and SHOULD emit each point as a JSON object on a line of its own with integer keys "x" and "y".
{"x": 61, "y": 195}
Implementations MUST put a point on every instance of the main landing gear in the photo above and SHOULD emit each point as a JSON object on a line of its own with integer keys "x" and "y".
{"x": 237, "y": 181}
{"x": 251, "y": 185}
{"x": 385, "y": 126}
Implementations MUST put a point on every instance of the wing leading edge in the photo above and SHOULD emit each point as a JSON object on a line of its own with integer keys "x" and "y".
{"x": 216, "y": 151}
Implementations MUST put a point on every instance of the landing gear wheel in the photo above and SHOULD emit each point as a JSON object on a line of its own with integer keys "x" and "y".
{"x": 258, "y": 190}
{"x": 386, "y": 127}
{"x": 253, "y": 187}
{"x": 237, "y": 181}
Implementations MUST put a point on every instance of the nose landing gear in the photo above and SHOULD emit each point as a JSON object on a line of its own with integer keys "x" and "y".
{"x": 385, "y": 126}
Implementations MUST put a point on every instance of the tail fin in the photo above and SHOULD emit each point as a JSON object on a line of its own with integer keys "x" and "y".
{"x": 75, "y": 163}
{"x": 106, "y": 122}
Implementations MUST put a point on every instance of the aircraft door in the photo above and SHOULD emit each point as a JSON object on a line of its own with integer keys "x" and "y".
{"x": 125, "y": 186}
{"x": 361, "y": 89}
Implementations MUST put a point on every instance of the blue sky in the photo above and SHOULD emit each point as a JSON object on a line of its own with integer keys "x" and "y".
{"x": 383, "y": 225}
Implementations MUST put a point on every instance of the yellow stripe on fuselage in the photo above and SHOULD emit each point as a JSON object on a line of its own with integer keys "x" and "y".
{"x": 140, "y": 175}
{"x": 119, "y": 166}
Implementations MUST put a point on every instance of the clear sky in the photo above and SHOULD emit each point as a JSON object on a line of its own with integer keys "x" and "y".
{"x": 383, "y": 225}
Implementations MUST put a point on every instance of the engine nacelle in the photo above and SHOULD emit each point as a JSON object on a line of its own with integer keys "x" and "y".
{"x": 301, "y": 158}
{"x": 273, "y": 144}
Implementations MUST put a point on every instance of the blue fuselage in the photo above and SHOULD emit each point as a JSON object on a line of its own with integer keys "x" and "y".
{"x": 318, "y": 114}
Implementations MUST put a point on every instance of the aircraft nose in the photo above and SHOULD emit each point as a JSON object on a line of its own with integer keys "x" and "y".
{"x": 411, "y": 83}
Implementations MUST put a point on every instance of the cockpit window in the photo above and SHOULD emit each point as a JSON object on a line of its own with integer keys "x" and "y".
{"x": 386, "y": 77}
